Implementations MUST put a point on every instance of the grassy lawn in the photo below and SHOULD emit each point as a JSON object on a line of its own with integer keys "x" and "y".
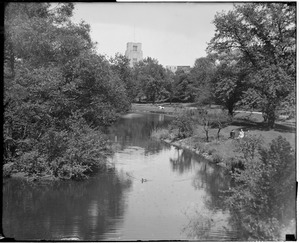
{"x": 251, "y": 123}
{"x": 168, "y": 108}
{"x": 225, "y": 148}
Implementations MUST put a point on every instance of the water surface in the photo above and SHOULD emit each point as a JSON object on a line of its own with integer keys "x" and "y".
{"x": 154, "y": 192}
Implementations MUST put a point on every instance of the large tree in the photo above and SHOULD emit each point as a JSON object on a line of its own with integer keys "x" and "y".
{"x": 262, "y": 197}
{"x": 55, "y": 87}
{"x": 265, "y": 34}
{"x": 185, "y": 90}
{"x": 150, "y": 78}
{"x": 202, "y": 75}
{"x": 120, "y": 67}
{"x": 230, "y": 80}
{"x": 170, "y": 85}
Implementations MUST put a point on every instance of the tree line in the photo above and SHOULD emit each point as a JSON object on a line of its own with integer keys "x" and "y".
{"x": 250, "y": 64}
{"x": 56, "y": 85}
{"x": 58, "y": 93}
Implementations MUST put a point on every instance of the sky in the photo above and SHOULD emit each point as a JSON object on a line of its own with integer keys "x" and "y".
{"x": 173, "y": 33}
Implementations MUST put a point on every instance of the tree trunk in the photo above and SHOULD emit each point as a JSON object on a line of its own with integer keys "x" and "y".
{"x": 271, "y": 119}
{"x": 206, "y": 132}
{"x": 171, "y": 97}
{"x": 218, "y": 134}
{"x": 271, "y": 116}
{"x": 230, "y": 111}
{"x": 153, "y": 99}
{"x": 12, "y": 64}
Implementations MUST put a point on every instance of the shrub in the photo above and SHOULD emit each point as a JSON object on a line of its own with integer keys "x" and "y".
{"x": 182, "y": 126}
{"x": 234, "y": 164}
{"x": 76, "y": 171}
{"x": 7, "y": 169}
{"x": 249, "y": 147}
{"x": 86, "y": 149}
{"x": 66, "y": 154}
{"x": 31, "y": 162}
{"x": 263, "y": 193}
{"x": 279, "y": 163}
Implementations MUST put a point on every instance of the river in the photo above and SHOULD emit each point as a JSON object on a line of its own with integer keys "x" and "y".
{"x": 153, "y": 192}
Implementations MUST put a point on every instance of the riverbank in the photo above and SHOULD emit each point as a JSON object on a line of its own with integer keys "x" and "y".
{"x": 45, "y": 172}
{"x": 223, "y": 150}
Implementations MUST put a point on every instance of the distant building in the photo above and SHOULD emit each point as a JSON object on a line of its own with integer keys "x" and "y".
{"x": 173, "y": 69}
{"x": 186, "y": 69}
{"x": 134, "y": 52}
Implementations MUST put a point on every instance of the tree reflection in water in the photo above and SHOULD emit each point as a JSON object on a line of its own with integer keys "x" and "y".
{"x": 212, "y": 222}
{"x": 137, "y": 131}
{"x": 208, "y": 220}
{"x": 183, "y": 161}
{"x": 215, "y": 180}
{"x": 208, "y": 224}
{"x": 84, "y": 210}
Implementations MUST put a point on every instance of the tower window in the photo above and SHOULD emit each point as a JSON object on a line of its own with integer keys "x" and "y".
{"x": 134, "y": 48}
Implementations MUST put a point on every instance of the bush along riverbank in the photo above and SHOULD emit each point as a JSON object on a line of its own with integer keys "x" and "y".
{"x": 57, "y": 100}
{"x": 208, "y": 132}
{"x": 70, "y": 153}
{"x": 216, "y": 151}
{"x": 262, "y": 196}
{"x": 186, "y": 131}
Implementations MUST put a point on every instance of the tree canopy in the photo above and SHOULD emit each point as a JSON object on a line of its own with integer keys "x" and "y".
{"x": 265, "y": 35}
{"x": 149, "y": 77}
{"x": 202, "y": 75}
{"x": 263, "y": 195}
{"x": 55, "y": 83}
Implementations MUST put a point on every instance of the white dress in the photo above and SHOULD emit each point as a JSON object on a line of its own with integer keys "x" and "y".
{"x": 241, "y": 135}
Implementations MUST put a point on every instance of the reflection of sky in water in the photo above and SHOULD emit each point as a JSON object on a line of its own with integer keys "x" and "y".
{"x": 120, "y": 205}
{"x": 157, "y": 209}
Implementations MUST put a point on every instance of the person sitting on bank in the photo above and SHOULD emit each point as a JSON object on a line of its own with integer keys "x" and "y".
{"x": 241, "y": 135}
{"x": 232, "y": 134}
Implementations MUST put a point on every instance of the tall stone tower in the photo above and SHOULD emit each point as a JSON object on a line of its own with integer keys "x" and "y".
{"x": 134, "y": 52}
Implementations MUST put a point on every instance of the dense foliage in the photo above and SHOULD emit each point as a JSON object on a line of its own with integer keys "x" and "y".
{"x": 251, "y": 65}
{"x": 202, "y": 75}
{"x": 182, "y": 126}
{"x": 152, "y": 82}
{"x": 149, "y": 77}
{"x": 262, "y": 199}
{"x": 263, "y": 38}
{"x": 58, "y": 92}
